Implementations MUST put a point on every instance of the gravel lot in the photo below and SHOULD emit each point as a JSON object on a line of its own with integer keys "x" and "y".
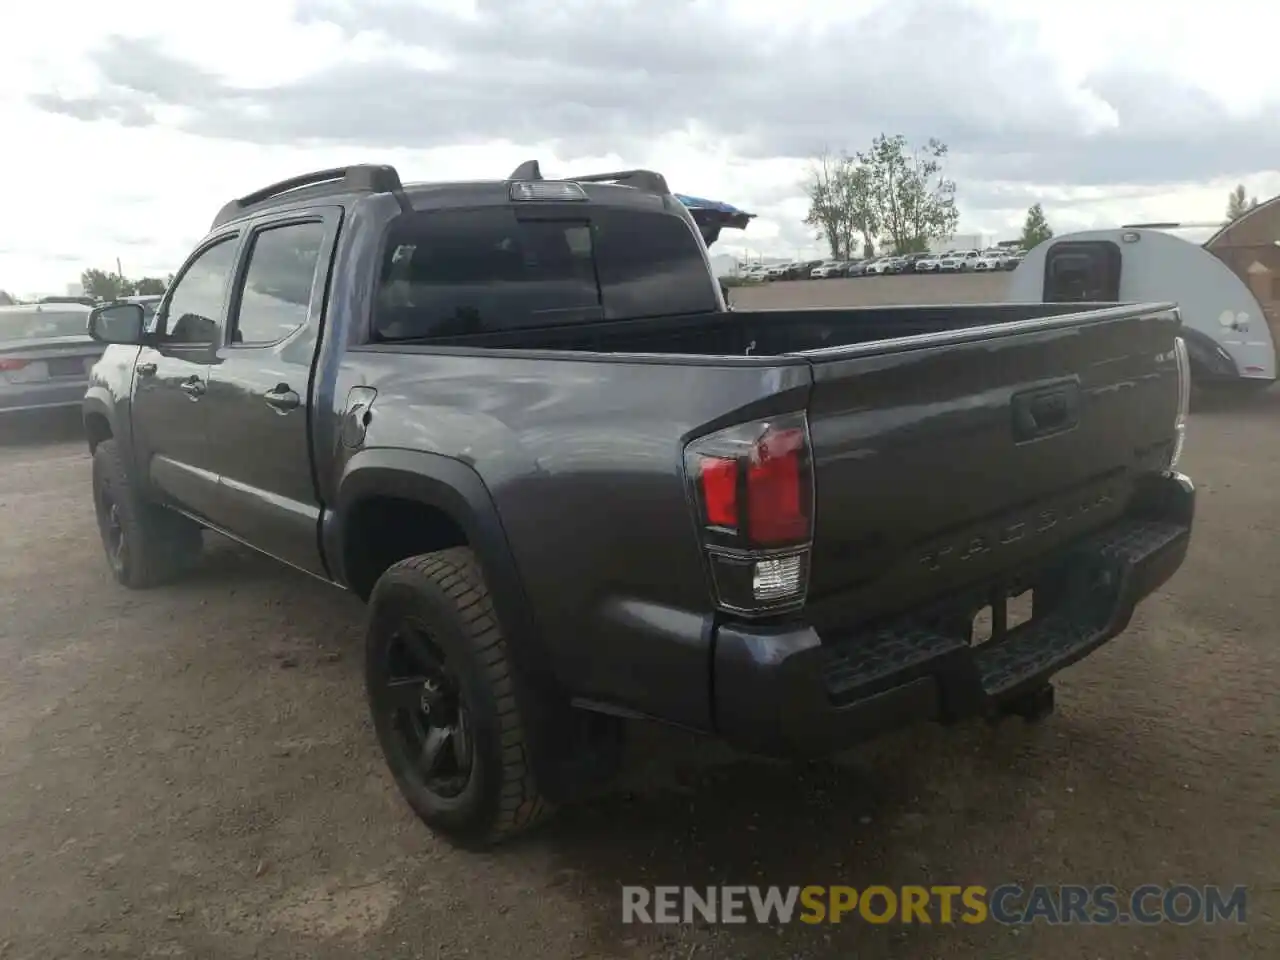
{"x": 190, "y": 771}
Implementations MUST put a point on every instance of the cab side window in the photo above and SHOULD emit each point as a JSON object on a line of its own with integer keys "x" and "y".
{"x": 277, "y": 285}
{"x": 195, "y": 310}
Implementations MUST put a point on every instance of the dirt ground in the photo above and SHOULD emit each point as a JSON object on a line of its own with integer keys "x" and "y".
{"x": 190, "y": 772}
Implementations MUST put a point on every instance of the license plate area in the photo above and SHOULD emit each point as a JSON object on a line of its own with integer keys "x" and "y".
{"x": 986, "y": 614}
{"x": 1005, "y": 612}
{"x": 65, "y": 366}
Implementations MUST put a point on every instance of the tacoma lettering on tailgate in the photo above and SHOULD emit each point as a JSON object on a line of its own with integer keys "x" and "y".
{"x": 1004, "y": 532}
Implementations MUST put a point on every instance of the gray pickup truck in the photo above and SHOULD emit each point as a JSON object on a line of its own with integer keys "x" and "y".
{"x": 517, "y": 419}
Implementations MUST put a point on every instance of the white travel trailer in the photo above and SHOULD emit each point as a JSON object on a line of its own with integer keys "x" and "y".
{"x": 1225, "y": 308}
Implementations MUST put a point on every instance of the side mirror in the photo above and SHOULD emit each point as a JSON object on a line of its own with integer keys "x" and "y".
{"x": 117, "y": 323}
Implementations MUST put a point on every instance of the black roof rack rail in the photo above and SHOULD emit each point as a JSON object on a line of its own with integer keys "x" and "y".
{"x": 360, "y": 178}
{"x": 645, "y": 180}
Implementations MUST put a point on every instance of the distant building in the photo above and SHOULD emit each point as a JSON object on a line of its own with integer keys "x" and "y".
{"x": 961, "y": 241}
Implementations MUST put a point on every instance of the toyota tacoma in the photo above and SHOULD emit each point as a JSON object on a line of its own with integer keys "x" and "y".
{"x": 516, "y": 418}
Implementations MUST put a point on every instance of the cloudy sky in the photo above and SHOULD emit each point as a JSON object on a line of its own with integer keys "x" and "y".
{"x": 128, "y": 124}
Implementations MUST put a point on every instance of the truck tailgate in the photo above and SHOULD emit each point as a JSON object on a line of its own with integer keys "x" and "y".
{"x": 942, "y": 462}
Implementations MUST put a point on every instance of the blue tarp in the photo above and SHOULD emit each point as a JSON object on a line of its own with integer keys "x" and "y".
{"x": 714, "y": 213}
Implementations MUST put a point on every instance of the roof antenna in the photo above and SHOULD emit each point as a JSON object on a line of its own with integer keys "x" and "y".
{"x": 528, "y": 170}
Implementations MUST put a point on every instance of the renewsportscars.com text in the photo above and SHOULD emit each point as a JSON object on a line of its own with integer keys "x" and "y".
{"x": 1010, "y": 904}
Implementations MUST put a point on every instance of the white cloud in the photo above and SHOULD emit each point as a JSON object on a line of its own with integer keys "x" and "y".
{"x": 1106, "y": 112}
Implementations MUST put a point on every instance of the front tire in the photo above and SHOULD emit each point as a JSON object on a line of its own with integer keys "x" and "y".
{"x": 441, "y": 695}
{"x": 145, "y": 544}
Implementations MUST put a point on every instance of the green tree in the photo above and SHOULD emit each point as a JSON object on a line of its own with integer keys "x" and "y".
{"x": 912, "y": 198}
{"x": 105, "y": 285}
{"x": 6, "y": 299}
{"x": 150, "y": 286}
{"x": 840, "y": 204}
{"x": 1239, "y": 203}
{"x": 1035, "y": 229}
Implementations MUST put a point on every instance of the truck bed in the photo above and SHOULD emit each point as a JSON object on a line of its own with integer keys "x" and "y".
{"x": 762, "y": 332}
{"x": 928, "y": 478}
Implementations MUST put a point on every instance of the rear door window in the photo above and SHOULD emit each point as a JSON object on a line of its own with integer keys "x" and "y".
{"x": 457, "y": 273}
{"x": 276, "y": 295}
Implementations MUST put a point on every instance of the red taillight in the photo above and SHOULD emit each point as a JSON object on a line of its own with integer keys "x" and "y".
{"x": 12, "y": 363}
{"x": 719, "y": 477}
{"x": 753, "y": 482}
{"x": 775, "y": 495}
{"x": 752, "y": 487}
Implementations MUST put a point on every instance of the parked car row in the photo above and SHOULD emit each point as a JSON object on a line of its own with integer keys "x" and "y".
{"x": 953, "y": 261}
{"x": 796, "y": 270}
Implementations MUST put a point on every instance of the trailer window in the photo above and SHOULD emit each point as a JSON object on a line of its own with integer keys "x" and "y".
{"x": 457, "y": 273}
{"x": 1082, "y": 271}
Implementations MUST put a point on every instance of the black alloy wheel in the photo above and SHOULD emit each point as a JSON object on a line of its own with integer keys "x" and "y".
{"x": 443, "y": 700}
{"x": 426, "y": 713}
{"x": 112, "y": 528}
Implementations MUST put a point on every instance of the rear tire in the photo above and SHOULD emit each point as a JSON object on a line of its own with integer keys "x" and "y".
{"x": 432, "y": 628}
{"x": 145, "y": 544}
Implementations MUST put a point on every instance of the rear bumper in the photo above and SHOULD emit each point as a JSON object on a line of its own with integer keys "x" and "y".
{"x": 24, "y": 397}
{"x": 788, "y": 692}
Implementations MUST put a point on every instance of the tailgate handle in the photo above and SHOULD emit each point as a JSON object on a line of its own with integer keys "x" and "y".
{"x": 1045, "y": 411}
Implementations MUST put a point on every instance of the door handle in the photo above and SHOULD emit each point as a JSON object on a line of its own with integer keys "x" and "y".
{"x": 283, "y": 398}
{"x": 146, "y": 368}
{"x": 193, "y": 388}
